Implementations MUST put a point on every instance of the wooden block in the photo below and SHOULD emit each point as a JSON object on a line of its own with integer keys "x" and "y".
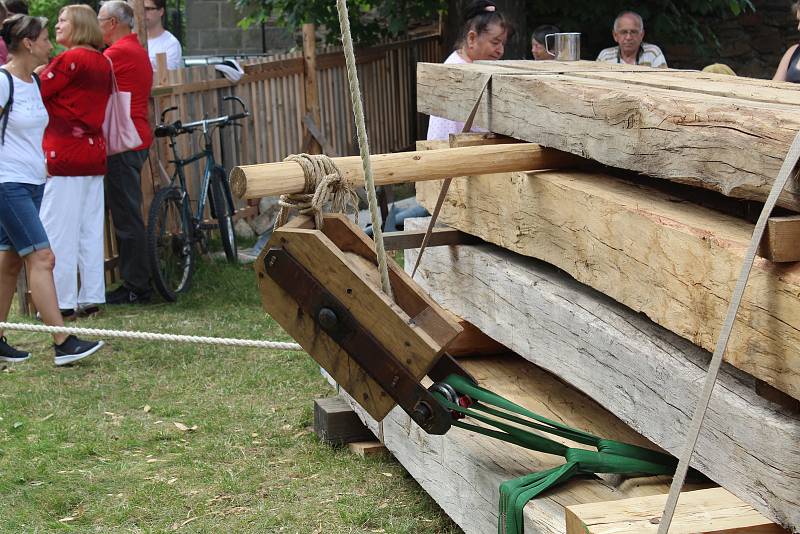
{"x": 781, "y": 242}
{"x": 336, "y": 423}
{"x": 648, "y": 377}
{"x": 462, "y": 470}
{"x": 672, "y": 260}
{"x": 689, "y": 128}
{"x": 714, "y": 510}
{"x": 367, "y": 448}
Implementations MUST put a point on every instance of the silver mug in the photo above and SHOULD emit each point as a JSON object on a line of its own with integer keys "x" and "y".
{"x": 566, "y": 46}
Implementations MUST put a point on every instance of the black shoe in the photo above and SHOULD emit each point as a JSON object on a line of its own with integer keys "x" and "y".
{"x": 74, "y": 349}
{"x": 68, "y": 315}
{"x": 126, "y": 295}
{"x": 89, "y": 311}
{"x": 10, "y": 354}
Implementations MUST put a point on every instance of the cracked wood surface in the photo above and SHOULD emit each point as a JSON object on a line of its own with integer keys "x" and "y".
{"x": 463, "y": 471}
{"x": 696, "y": 130}
{"x": 670, "y": 259}
{"x": 645, "y": 375}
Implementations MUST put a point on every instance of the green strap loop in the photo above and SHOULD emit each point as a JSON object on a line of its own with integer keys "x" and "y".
{"x": 502, "y": 414}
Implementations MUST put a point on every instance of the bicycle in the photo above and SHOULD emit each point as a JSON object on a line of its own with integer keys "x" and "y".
{"x": 173, "y": 230}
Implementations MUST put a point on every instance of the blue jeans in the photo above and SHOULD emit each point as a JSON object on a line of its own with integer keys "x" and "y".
{"x": 20, "y": 227}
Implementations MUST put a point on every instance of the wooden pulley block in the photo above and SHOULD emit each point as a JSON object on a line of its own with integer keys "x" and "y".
{"x": 323, "y": 288}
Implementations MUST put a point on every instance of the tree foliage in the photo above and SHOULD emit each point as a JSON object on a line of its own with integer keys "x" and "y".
{"x": 370, "y": 21}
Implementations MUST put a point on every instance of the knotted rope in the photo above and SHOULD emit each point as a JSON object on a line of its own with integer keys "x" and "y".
{"x": 325, "y": 190}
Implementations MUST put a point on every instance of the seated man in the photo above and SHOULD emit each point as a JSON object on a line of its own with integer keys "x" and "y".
{"x": 628, "y": 33}
{"x": 538, "y": 48}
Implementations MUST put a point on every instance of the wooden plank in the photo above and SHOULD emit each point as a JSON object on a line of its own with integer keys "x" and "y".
{"x": 706, "y": 511}
{"x": 672, "y": 260}
{"x": 781, "y": 242}
{"x": 439, "y": 237}
{"x": 647, "y": 376}
{"x": 462, "y": 470}
{"x": 254, "y": 181}
{"x": 367, "y": 449}
{"x": 730, "y": 145}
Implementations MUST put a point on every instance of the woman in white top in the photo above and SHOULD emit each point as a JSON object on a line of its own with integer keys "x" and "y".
{"x": 22, "y": 178}
{"x": 484, "y": 36}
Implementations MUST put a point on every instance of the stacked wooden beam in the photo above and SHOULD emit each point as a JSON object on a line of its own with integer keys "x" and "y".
{"x": 614, "y": 285}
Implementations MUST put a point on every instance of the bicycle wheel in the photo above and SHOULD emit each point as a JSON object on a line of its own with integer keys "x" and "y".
{"x": 222, "y": 210}
{"x": 169, "y": 243}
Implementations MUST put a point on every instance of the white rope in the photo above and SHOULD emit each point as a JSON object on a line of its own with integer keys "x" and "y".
{"x": 363, "y": 144}
{"x": 151, "y": 336}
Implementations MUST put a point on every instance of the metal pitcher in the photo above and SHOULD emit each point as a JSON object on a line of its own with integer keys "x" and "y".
{"x": 566, "y": 46}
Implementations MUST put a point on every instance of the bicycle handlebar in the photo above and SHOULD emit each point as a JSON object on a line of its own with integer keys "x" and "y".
{"x": 178, "y": 128}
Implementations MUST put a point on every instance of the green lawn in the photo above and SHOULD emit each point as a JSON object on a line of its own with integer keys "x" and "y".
{"x": 107, "y": 445}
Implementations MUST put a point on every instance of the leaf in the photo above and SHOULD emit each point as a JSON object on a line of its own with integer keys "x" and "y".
{"x": 67, "y": 519}
{"x": 17, "y": 424}
{"x": 184, "y": 428}
{"x": 387, "y": 475}
{"x": 146, "y": 408}
{"x": 46, "y": 417}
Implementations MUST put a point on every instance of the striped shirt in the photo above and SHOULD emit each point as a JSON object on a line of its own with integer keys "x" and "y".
{"x": 649, "y": 55}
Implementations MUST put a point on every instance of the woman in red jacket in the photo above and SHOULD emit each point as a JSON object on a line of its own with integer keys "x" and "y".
{"x": 76, "y": 86}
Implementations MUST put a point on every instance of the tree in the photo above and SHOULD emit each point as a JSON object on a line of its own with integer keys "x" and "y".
{"x": 370, "y": 21}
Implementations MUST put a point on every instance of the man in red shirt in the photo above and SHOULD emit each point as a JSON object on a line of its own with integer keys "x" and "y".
{"x": 123, "y": 181}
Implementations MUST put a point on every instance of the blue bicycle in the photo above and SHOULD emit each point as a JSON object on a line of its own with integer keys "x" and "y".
{"x": 174, "y": 232}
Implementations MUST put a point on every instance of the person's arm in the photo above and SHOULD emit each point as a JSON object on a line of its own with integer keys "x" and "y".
{"x": 783, "y": 66}
{"x": 174, "y": 55}
{"x": 55, "y": 77}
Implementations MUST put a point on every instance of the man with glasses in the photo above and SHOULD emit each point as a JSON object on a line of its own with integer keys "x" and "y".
{"x": 123, "y": 181}
{"x": 628, "y": 34}
{"x": 160, "y": 40}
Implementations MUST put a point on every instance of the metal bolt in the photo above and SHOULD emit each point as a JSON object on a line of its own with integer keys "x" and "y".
{"x": 327, "y": 318}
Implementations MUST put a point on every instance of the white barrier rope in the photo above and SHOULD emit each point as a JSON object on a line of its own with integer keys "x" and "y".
{"x": 151, "y": 336}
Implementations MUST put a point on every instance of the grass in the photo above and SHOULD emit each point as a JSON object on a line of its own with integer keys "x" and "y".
{"x": 107, "y": 445}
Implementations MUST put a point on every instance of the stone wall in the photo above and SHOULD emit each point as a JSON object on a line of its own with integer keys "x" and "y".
{"x": 211, "y": 29}
{"x": 752, "y": 43}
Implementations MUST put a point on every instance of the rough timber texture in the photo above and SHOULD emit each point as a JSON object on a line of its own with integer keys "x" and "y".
{"x": 463, "y": 471}
{"x": 645, "y": 375}
{"x": 672, "y": 260}
{"x": 700, "y": 131}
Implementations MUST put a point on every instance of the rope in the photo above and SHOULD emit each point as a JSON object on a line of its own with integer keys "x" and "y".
{"x": 610, "y": 457}
{"x": 324, "y": 184}
{"x": 784, "y": 174}
{"x": 150, "y": 336}
{"x": 363, "y": 144}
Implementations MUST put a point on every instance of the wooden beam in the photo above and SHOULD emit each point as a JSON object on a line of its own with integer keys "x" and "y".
{"x": 439, "y": 237}
{"x": 269, "y": 179}
{"x": 647, "y": 376}
{"x": 730, "y": 144}
{"x": 707, "y": 511}
{"x": 311, "y": 99}
{"x": 781, "y": 242}
{"x": 463, "y": 470}
{"x": 672, "y": 260}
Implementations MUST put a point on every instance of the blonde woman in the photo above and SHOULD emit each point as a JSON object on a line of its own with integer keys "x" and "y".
{"x": 76, "y": 86}
{"x": 789, "y": 67}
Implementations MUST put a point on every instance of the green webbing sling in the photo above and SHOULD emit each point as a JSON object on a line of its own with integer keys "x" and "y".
{"x": 610, "y": 457}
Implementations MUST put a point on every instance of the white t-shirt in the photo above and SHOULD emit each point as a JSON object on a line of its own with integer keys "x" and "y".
{"x": 166, "y": 42}
{"x": 22, "y": 157}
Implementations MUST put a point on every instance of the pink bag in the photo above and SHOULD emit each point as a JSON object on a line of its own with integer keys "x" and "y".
{"x": 118, "y": 127}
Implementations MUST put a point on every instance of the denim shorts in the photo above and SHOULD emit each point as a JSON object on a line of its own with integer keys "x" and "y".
{"x": 21, "y": 228}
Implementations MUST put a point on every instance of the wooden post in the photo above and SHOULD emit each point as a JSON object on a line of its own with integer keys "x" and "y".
{"x": 311, "y": 143}
{"x": 138, "y": 16}
{"x": 269, "y": 179}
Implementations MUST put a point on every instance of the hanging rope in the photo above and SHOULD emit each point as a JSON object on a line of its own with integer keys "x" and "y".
{"x": 510, "y": 419}
{"x": 151, "y": 336}
{"x": 363, "y": 144}
{"x": 325, "y": 190}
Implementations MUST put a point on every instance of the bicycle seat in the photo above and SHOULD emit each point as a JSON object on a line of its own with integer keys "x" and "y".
{"x": 166, "y": 130}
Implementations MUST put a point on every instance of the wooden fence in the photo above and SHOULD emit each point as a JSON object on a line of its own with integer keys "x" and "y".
{"x": 273, "y": 89}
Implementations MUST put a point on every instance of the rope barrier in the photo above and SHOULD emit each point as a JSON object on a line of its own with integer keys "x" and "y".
{"x": 152, "y": 336}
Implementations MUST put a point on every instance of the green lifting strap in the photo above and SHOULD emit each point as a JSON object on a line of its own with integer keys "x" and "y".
{"x": 610, "y": 457}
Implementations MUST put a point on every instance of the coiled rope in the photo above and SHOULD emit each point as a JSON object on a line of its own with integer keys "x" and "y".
{"x": 152, "y": 336}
